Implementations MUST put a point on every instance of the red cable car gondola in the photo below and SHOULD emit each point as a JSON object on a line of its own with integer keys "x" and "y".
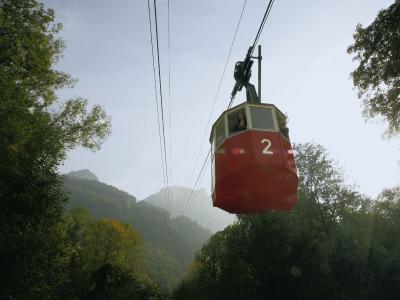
{"x": 253, "y": 166}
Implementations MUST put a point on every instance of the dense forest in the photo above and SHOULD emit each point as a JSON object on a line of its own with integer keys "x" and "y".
{"x": 73, "y": 237}
{"x": 335, "y": 244}
{"x": 169, "y": 243}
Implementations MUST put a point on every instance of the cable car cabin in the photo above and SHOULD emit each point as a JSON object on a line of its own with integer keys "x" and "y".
{"x": 253, "y": 167}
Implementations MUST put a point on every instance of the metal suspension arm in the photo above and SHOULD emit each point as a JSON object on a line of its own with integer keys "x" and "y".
{"x": 242, "y": 76}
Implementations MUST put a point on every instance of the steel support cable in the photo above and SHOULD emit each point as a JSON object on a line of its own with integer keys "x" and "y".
{"x": 202, "y": 168}
{"x": 231, "y": 101}
{"x": 218, "y": 90}
{"x": 161, "y": 98}
{"x": 188, "y": 203}
{"x": 156, "y": 98}
{"x": 169, "y": 94}
{"x": 200, "y": 180}
{"x": 260, "y": 29}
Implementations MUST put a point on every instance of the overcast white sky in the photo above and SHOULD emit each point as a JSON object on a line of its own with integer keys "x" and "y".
{"x": 305, "y": 73}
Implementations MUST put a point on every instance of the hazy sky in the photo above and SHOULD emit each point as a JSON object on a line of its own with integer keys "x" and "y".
{"x": 305, "y": 73}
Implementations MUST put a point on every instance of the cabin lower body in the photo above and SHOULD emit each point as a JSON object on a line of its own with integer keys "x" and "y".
{"x": 253, "y": 172}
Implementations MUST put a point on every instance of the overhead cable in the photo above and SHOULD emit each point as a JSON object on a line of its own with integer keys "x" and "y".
{"x": 162, "y": 127}
{"x": 218, "y": 90}
{"x": 247, "y": 63}
{"x": 156, "y": 98}
{"x": 189, "y": 203}
{"x": 260, "y": 29}
{"x": 161, "y": 100}
{"x": 216, "y": 97}
{"x": 169, "y": 96}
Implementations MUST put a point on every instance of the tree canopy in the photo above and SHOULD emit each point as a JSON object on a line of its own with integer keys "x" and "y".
{"x": 36, "y": 131}
{"x": 377, "y": 77}
{"x": 334, "y": 244}
{"x": 103, "y": 260}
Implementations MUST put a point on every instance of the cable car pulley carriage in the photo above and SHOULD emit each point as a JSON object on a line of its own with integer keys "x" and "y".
{"x": 253, "y": 166}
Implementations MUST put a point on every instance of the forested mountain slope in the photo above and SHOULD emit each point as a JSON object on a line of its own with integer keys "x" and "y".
{"x": 170, "y": 243}
{"x": 200, "y": 210}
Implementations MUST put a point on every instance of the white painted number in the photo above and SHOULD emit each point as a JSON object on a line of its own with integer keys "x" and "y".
{"x": 266, "y": 149}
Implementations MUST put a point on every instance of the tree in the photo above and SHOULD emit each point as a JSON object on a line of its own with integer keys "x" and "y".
{"x": 377, "y": 77}
{"x": 113, "y": 242}
{"x": 103, "y": 260}
{"x": 335, "y": 244}
{"x": 322, "y": 185}
{"x": 36, "y": 131}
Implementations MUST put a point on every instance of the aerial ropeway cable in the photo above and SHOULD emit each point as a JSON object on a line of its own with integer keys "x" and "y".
{"x": 169, "y": 96}
{"x": 236, "y": 88}
{"x": 242, "y": 77}
{"x": 211, "y": 113}
{"x": 253, "y": 167}
{"x": 247, "y": 67}
{"x": 161, "y": 129}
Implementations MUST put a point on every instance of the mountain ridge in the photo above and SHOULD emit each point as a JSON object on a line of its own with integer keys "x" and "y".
{"x": 83, "y": 174}
{"x": 200, "y": 208}
{"x": 170, "y": 242}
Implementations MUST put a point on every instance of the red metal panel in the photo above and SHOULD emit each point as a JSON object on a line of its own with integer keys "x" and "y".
{"x": 255, "y": 172}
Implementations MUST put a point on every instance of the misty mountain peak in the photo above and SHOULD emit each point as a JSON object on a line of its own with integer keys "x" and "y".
{"x": 200, "y": 208}
{"x": 83, "y": 174}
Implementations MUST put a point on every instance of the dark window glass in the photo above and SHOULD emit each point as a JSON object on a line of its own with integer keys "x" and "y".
{"x": 262, "y": 118}
{"x": 237, "y": 121}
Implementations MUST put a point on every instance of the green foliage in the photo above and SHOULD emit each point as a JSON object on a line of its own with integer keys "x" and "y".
{"x": 103, "y": 260}
{"x": 80, "y": 127}
{"x": 35, "y": 133}
{"x": 377, "y": 77}
{"x": 335, "y": 244}
{"x": 102, "y": 200}
{"x": 111, "y": 282}
{"x": 112, "y": 242}
{"x": 322, "y": 186}
{"x": 162, "y": 268}
{"x": 170, "y": 244}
